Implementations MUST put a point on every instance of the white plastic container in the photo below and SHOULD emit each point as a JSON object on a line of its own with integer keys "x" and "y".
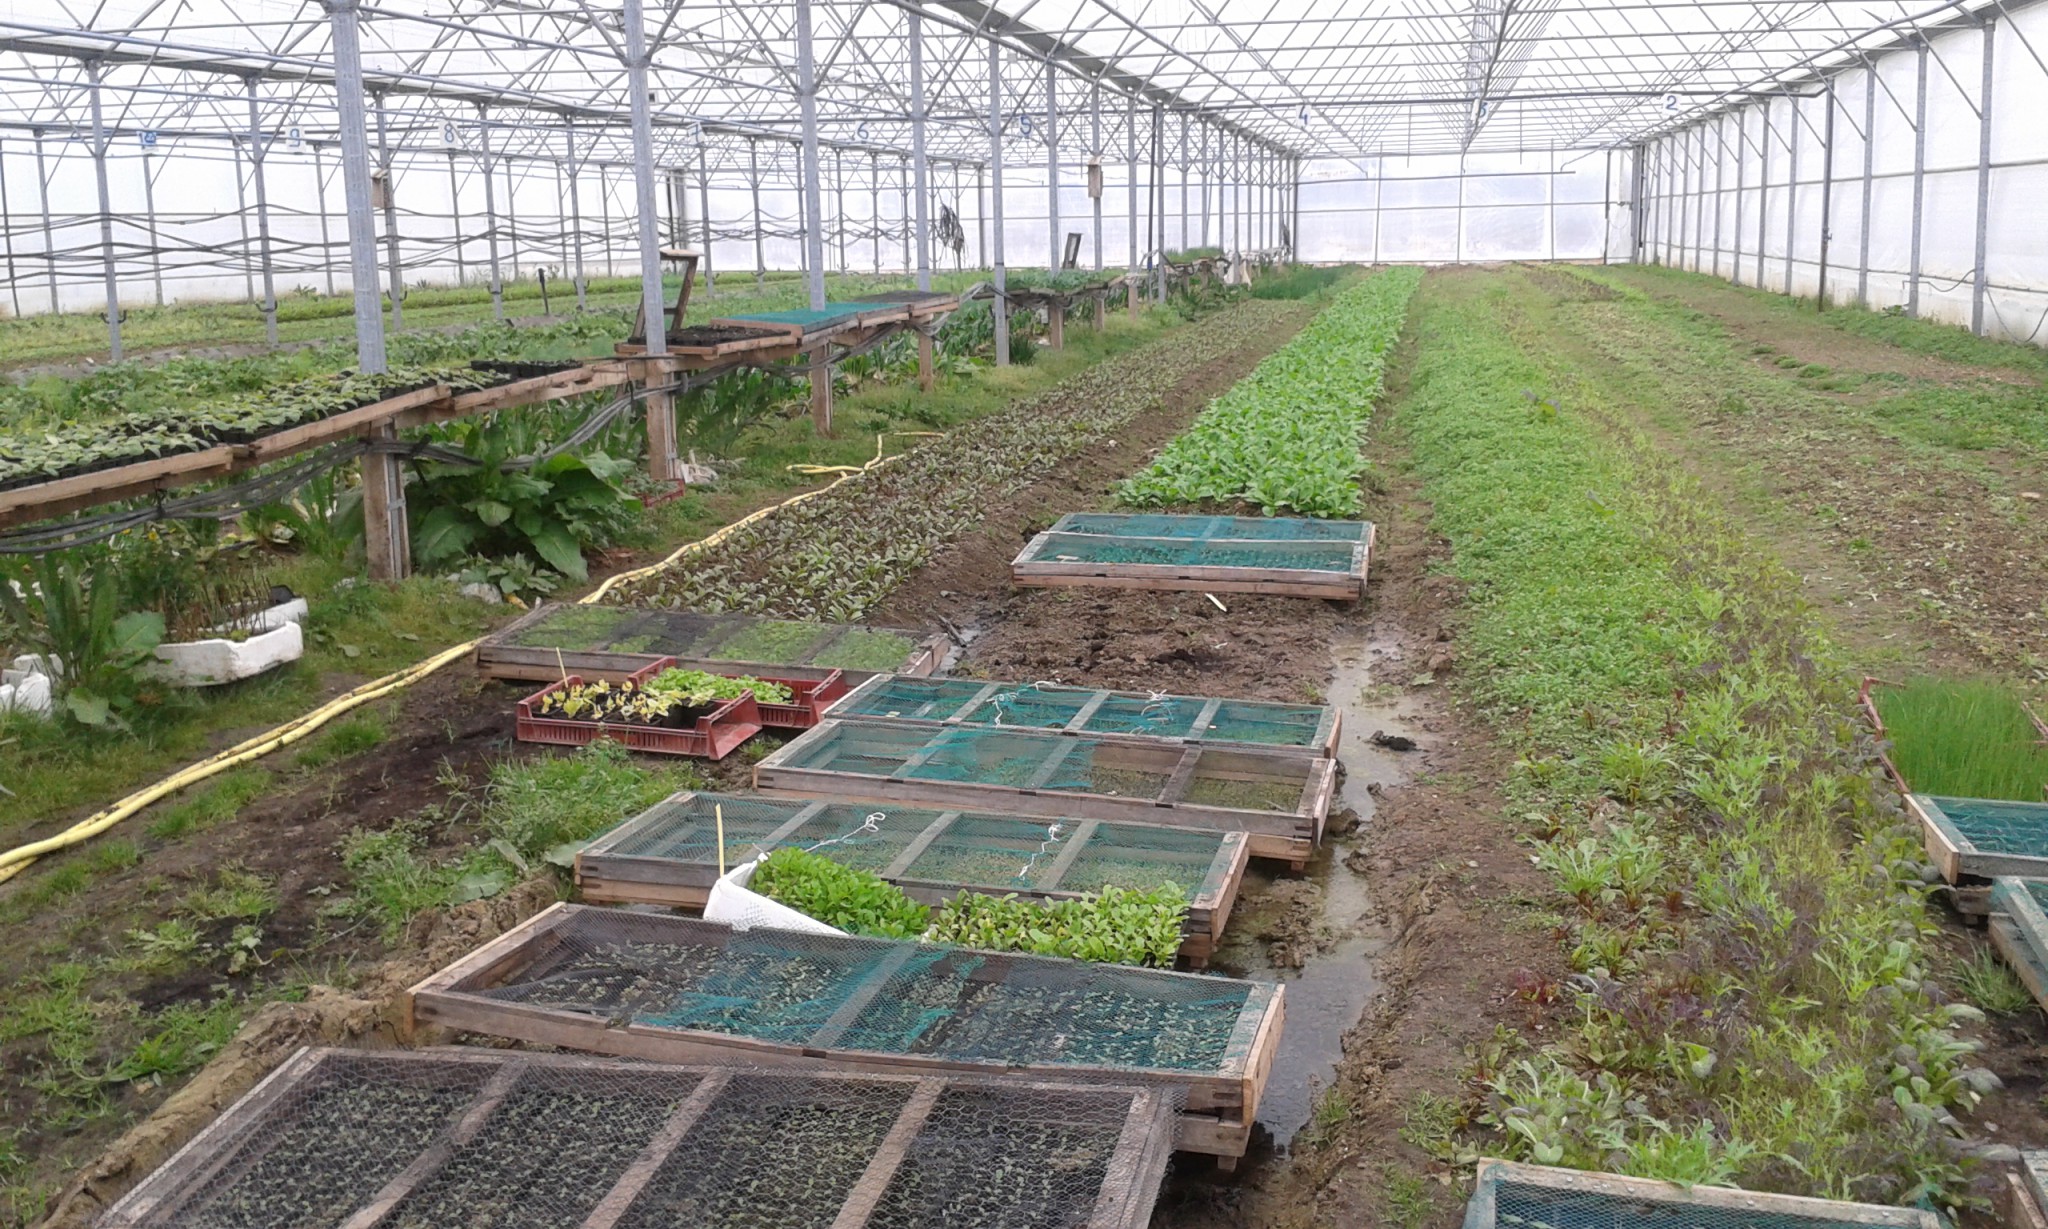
{"x": 27, "y": 693}
{"x": 740, "y": 907}
{"x": 277, "y": 639}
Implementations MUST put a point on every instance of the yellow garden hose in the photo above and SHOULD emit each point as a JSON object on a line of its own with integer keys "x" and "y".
{"x": 16, "y": 860}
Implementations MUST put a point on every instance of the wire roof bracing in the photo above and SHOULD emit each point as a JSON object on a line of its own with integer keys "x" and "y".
{"x": 1346, "y": 79}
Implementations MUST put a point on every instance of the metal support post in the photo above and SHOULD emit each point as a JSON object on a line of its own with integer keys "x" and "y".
{"x": 490, "y": 170}
{"x": 1977, "y": 287}
{"x": 707, "y": 271}
{"x": 1741, "y": 190}
{"x": 1919, "y": 176}
{"x": 1183, "y": 181}
{"x": 981, "y": 217}
{"x": 754, "y": 190}
{"x": 395, "y": 270}
{"x": 242, "y": 220}
{"x": 326, "y": 241}
{"x": 512, "y": 216}
{"x": 1763, "y": 196}
{"x": 919, "y": 168}
{"x": 258, "y": 155}
{"x": 7, "y": 227}
{"x": 1001, "y": 306}
{"x": 1052, "y": 166}
{"x": 1869, "y": 158}
{"x": 455, "y": 221}
{"x": 386, "y": 541}
{"x": 156, "y": 259}
{"x": 839, "y": 205}
{"x": 1155, "y": 228}
{"x": 1095, "y": 153}
{"x": 1131, "y": 196}
{"x": 1792, "y": 190}
{"x": 903, "y": 208}
{"x": 875, "y": 205}
{"x": 1827, "y": 196}
{"x": 814, "y": 237}
{"x": 573, "y": 173}
{"x": 49, "y": 232}
{"x": 660, "y": 410}
{"x": 95, "y": 72}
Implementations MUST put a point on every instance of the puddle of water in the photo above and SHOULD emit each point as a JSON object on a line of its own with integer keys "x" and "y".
{"x": 1326, "y": 997}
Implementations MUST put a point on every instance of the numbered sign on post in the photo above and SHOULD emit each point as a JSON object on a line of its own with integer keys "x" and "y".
{"x": 293, "y": 138}
{"x": 149, "y": 138}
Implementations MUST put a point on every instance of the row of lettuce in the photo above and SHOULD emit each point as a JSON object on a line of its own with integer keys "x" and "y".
{"x": 1286, "y": 437}
{"x": 1749, "y": 996}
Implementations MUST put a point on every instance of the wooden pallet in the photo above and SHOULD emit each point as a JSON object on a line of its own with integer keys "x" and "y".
{"x": 1290, "y": 835}
{"x": 499, "y": 656}
{"x": 1040, "y": 565}
{"x": 1714, "y": 1204}
{"x": 606, "y": 873}
{"x": 943, "y": 703}
{"x": 249, "y": 1130}
{"x": 1958, "y": 857}
{"x": 1217, "y": 1105}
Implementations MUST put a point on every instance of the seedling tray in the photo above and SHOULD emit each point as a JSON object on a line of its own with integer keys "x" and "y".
{"x": 1510, "y": 1194}
{"x": 808, "y": 701}
{"x": 610, "y": 642}
{"x": 668, "y": 855}
{"x": 1295, "y": 557}
{"x": 459, "y": 1136}
{"x": 1254, "y": 725}
{"x": 713, "y": 737}
{"x": 1278, "y": 799}
{"x": 677, "y": 989}
{"x": 1983, "y": 838}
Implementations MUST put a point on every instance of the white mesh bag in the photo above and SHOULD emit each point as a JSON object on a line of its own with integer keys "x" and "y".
{"x": 740, "y": 907}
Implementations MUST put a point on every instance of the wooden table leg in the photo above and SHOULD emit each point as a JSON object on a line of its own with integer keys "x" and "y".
{"x": 821, "y": 392}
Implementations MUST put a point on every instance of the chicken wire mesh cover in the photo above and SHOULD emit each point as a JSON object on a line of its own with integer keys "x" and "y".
{"x": 1167, "y": 525}
{"x": 652, "y": 632}
{"x": 852, "y": 993}
{"x": 1053, "y": 706}
{"x": 459, "y": 1136}
{"x": 1992, "y": 825}
{"x": 1301, "y": 556}
{"x": 1512, "y": 1196}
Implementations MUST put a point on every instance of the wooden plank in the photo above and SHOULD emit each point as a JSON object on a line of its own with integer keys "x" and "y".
{"x": 881, "y": 1169}
{"x": 972, "y": 702}
{"x": 1087, "y": 711}
{"x": 1045, "y": 772}
{"x": 1740, "y": 1202}
{"x": 1341, "y": 588}
{"x": 1119, "y": 1195}
{"x": 1941, "y": 850}
{"x": 428, "y": 1163}
{"x": 1065, "y": 862}
{"x": 494, "y": 959}
{"x": 615, "y": 1202}
{"x": 1183, "y": 776}
{"x": 835, "y": 1027}
{"x": 2022, "y": 1210}
{"x": 918, "y": 844}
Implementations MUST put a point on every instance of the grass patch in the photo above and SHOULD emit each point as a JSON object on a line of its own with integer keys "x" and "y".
{"x": 235, "y": 893}
{"x": 1985, "y": 981}
{"x": 1966, "y": 738}
{"x": 214, "y": 802}
{"x": 350, "y": 736}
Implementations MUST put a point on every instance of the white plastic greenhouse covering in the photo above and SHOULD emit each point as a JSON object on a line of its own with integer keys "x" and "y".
{"x": 1763, "y": 140}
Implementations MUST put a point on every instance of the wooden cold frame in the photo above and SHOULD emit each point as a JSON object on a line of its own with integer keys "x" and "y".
{"x": 1289, "y": 836}
{"x": 1217, "y": 1107}
{"x": 1960, "y": 859}
{"x": 1480, "y": 1213}
{"x": 499, "y": 656}
{"x": 1037, "y": 565}
{"x": 1322, "y": 742}
{"x": 246, "y": 1130}
{"x": 604, "y": 875}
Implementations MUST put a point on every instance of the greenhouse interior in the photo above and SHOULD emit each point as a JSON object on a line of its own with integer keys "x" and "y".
{"x": 1189, "y": 614}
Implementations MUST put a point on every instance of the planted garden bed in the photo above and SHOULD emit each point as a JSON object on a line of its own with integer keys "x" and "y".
{"x": 677, "y": 989}
{"x": 1254, "y": 724}
{"x": 668, "y": 855}
{"x": 1278, "y": 799}
{"x": 1219, "y": 554}
{"x": 456, "y": 1136}
{"x": 573, "y": 713}
{"x": 611, "y": 642}
{"x": 1508, "y": 1195}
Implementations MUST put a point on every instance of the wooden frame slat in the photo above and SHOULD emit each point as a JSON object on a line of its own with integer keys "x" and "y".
{"x": 1214, "y": 1118}
{"x": 1494, "y": 1173}
{"x": 615, "y": 1202}
{"x": 874, "y": 1181}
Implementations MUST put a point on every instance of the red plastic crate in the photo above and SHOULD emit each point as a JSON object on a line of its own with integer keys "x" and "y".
{"x": 811, "y": 697}
{"x": 716, "y": 735}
